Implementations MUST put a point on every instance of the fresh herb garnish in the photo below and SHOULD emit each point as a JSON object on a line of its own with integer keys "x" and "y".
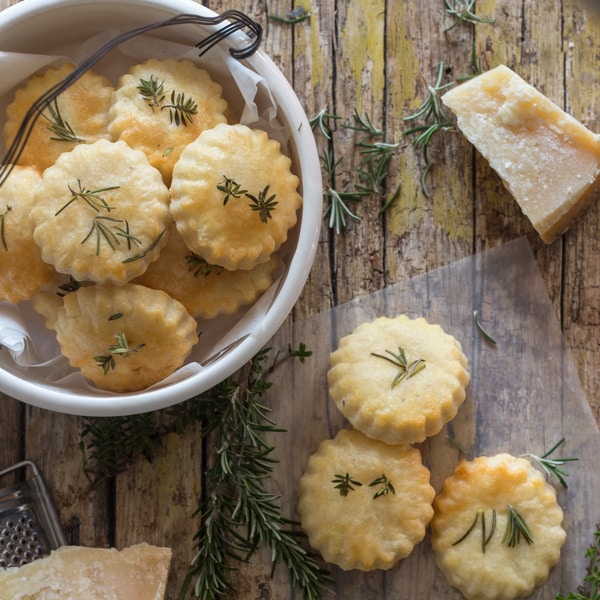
{"x": 201, "y": 267}
{"x": 481, "y": 329}
{"x": 143, "y": 253}
{"x": 435, "y": 119}
{"x": 60, "y": 129}
{"x": 91, "y": 197}
{"x": 294, "y": 16}
{"x": 515, "y": 529}
{"x": 152, "y": 91}
{"x": 552, "y": 465}
{"x": 181, "y": 109}
{"x": 121, "y": 348}
{"x": 405, "y": 370}
{"x": 110, "y": 230}
{"x": 485, "y": 536}
{"x": 302, "y": 353}
{"x": 70, "y": 286}
{"x": 387, "y": 487}
{"x": 463, "y": 11}
{"x": 590, "y": 590}
{"x": 231, "y": 189}
{"x": 345, "y": 483}
{"x": 3, "y": 227}
{"x": 264, "y": 204}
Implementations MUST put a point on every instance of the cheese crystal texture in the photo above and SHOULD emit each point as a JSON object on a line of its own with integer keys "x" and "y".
{"x": 77, "y": 573}
{"x": 548, "y": 160}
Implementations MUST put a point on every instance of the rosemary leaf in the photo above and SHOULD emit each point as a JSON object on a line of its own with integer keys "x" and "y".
{"x": 3, "y": 227}
{"x": 294, "y": 16}
{"x": 481, "y": 330}
{"x": 59, "y": 128}
{"x": 405, "y": 370}
{"x": 515, "y": 529}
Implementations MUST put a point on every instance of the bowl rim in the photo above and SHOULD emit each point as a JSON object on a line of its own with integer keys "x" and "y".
{"x": 300, "y": 264}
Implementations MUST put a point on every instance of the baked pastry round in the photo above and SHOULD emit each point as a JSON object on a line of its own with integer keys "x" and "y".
{"x": 160, "y": 106}
{"x": 78, "y": 115}
{"x": 364, "y": 504}
{"x": 398, "y": 379}
{"x": 205, "y": 290}
{"x": 234, "y": 197}
{"x": 124, "y": 338}
{"x": 101, "y": 213}
{"x": 494, "y": 561}
{"x": 22, "y": 271}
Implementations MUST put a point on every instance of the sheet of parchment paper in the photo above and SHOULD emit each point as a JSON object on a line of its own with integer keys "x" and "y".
{"x": 524, "y": 396}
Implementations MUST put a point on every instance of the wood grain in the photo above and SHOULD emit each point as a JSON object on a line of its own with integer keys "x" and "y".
{"x": 377, "y": 58}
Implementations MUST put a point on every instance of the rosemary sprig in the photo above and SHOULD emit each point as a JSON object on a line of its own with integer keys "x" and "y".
{"x": 325, "y": 122}
{"x": 463, "y": 11}
{"x": 590, "y": 590}
{"x": 515, "y": 529}
{"x": 294, "y": 16}
{"x": 552, "y": 466}
{"x": 91, "y": 197}
{"x": 435, "y": 119}
{"x": 109, "y": 229}
{"x": 231, "y": 189}
{"x": 121, "y": 348}
{"x": 486, "y": 537}
{"x": 152, "y": 91}
{"x": 60, "y": 129}
{"x": 143, "y": 253}
{"x": 3, "y": 227}
{"x": 238, "y": 500}
{"x": 387, "y": 487}
{"x": 481, "y": 329}
{"x": 264, "y": 204}
{"x": 345, "y": 483}
{"x": 405, "y": 370}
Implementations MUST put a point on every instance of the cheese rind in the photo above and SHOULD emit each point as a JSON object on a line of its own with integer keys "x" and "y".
{"x": 74, "y": 573}
{"x": 547, "y": 159}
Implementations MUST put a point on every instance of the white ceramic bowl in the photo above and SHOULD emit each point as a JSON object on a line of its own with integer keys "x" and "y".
{"x": 42, "y": 26}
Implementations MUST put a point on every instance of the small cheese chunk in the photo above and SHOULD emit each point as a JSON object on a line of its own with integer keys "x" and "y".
{"x": 549, "y": 161}
{"x": 74, "y": 573}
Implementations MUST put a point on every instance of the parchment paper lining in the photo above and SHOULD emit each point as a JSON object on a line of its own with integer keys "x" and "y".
{"x": 523, "y": 397}
{"x": 26, "y": 344}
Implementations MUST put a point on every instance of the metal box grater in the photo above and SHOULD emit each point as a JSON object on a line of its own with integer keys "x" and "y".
{"x": 29, "y": 525}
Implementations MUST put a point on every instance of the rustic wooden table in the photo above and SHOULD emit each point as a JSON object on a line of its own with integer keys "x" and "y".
{"x": 377, "y": 57}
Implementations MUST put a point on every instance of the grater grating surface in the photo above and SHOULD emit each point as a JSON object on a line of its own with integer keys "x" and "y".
{"x": 29, "y": 526}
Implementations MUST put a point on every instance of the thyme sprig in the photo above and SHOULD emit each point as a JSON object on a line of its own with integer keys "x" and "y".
{"x": 181, "y": 108}
{"x": 463, "y": 11}
{"x": 199, "y": 266}
{"x": 434, "y": 120}
{"x": 60, "y": 129}
{"x": 121, "y": 348}
{"x": 345, "y": 483}
{"x": 231, "y": 188}
{"x": 264, "y": 204}
{"x": 386, "y": 486}
{"x": 516, "y": 528}
{"x": 3, "y": 227}
{"x": 552, "y": 466}
{"x": 590, "y": 590}
{"x": 405, "y": 370}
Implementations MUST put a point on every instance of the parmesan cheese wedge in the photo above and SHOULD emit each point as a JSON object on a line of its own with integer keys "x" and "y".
{"x": 548, "y": 160}
{"x": 77, "y": 573}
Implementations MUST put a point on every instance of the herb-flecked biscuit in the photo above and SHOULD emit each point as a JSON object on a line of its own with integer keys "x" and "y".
{"x": 124, "y": 338}
{"x": 364, "y": 504}
{"x": 160, "y": 106}
{"x": 22, "y": 271}
{"x": 475, "y": 531}
{"x": 398, "y": 379}
{"x": 234, "y": 197}
{"x": 79, "y": 115}
{"x": 101, "y": 213}
{"x": 205, "y": 290}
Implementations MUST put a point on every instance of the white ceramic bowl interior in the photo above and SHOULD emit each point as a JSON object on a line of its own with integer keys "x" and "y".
{"x": 40, "y": 26}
